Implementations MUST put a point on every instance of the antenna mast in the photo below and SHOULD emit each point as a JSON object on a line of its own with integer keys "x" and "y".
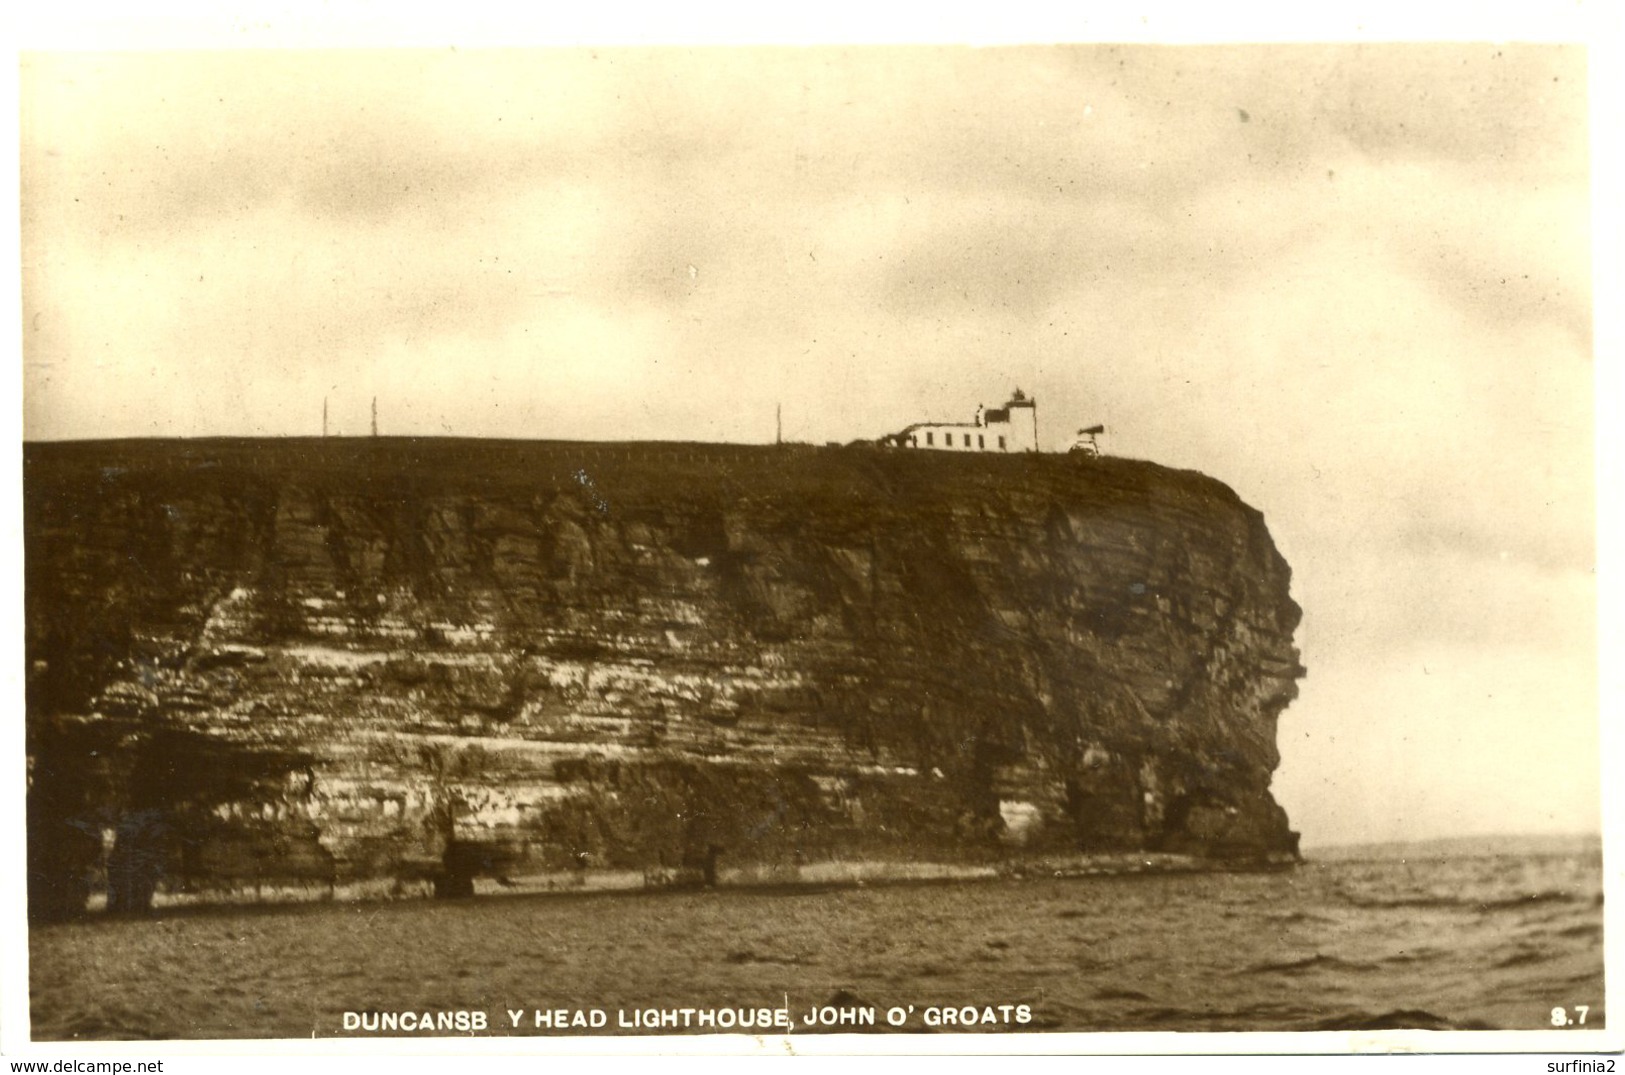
{"x": 324, "y": 416}
{"x": 778, "y": 420}
{"x": 375, "y": 416}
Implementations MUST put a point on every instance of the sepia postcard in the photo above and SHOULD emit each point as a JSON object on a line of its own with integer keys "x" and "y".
{"x": 636, "y": 544}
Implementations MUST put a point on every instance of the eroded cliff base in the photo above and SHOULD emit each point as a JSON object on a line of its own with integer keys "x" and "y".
{"x": 341, "y": 666}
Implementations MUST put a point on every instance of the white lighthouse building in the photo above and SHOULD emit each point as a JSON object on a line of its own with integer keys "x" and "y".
{"x": 1010, "y": 428}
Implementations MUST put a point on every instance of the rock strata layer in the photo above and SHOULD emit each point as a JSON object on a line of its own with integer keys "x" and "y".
{"x": 433, "y": 661}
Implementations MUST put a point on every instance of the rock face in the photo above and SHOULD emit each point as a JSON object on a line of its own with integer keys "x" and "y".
{"x": 475, "y": 658}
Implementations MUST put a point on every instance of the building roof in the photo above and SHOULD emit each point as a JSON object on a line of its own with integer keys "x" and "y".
{"x": 939, "y": 425}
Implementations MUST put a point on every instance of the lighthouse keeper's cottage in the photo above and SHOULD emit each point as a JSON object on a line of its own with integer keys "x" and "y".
{"x": 1010, "y": 428}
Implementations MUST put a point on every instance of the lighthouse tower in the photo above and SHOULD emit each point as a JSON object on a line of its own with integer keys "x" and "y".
{"x": 1021, "y": 413}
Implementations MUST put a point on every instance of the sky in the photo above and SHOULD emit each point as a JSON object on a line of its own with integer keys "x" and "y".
{"x": 1351, "y": 281}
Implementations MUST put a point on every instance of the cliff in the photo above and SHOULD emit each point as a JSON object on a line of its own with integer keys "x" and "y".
{"x": 409, "y": 662}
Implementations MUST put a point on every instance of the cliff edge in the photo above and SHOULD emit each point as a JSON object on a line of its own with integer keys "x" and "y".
{"x": 321, "y": 664}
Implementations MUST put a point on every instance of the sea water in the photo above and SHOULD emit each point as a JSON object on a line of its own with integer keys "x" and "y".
{"x": 1389, "y": 937}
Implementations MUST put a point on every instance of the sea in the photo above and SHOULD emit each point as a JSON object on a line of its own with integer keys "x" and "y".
{"x": 1480, "y": 934}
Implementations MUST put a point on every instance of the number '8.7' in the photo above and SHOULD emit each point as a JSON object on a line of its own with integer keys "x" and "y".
{"x": 1561, "y": 1017}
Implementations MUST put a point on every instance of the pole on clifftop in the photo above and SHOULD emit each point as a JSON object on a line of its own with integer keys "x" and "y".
{"x": 324, "y": 416}
{"x": 375, "y": 416}
{"x": 778, "y": 422}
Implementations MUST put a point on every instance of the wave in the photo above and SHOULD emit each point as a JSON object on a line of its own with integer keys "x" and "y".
{"x": 1467, "y": 903}
{"x": 1314, "y": 962}
{"x": 1533, "y": 899}
{"x": 1294, "y": 917}
{"x": 747, "y": 955}
{"x": 1120, "y": 994}
{"x": 1398, "y": 1019}
{"x": 104, "y": 1028}
{"x": 1405, "y": 902}
{"x": 1523, "y": 958}
{"x": 1413, "y": 955}
{"x": 1584, "y": 929}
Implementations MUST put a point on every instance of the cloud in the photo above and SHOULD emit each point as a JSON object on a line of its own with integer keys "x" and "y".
{"x": 994, "y": 176}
